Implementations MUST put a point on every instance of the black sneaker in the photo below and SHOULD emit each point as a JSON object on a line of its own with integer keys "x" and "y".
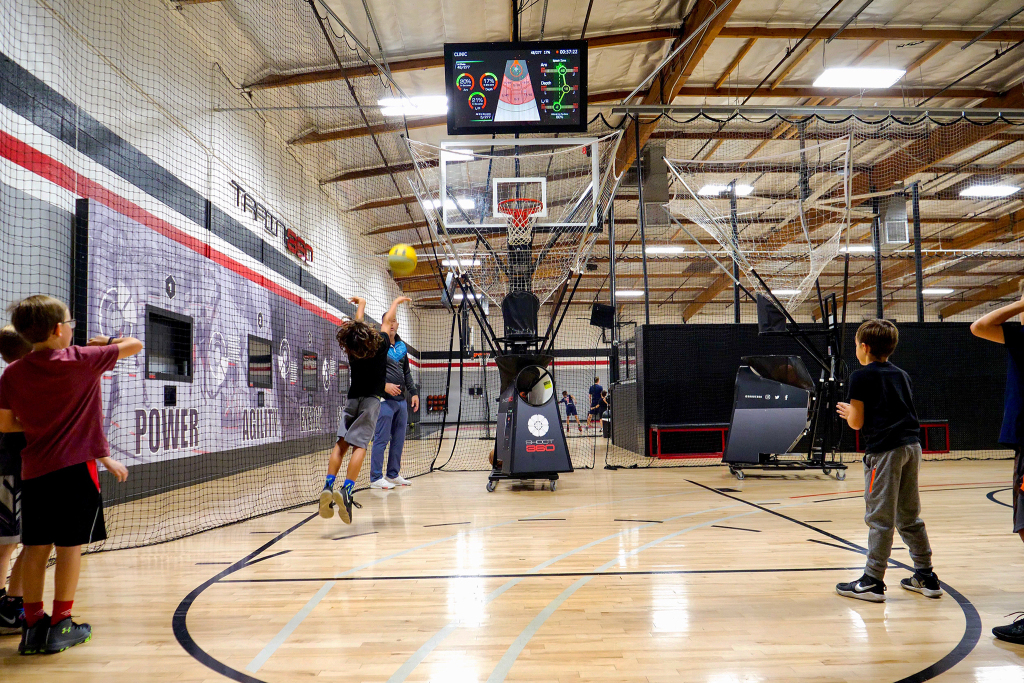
{"x": 66, "y": 633}
{"x": 33, "y": 638}
{"x": 864, "y": 588}
{"x": 343, "y": 499}
{"x": 326, "y": 503}
{"x": 1012, "y": 633}
{"x": 12, "y": 616}
{"x": 925, "y": 584}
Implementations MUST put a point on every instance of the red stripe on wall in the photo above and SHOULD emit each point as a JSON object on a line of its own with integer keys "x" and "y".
{"x": 60, "y": 174}
{"x": 471, "y": 364}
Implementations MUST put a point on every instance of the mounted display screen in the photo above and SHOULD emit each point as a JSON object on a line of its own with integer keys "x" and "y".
{"x": 516, "y": 87}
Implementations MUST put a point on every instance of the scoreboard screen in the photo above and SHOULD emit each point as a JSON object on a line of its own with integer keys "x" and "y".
{"x": 538, "y": 87}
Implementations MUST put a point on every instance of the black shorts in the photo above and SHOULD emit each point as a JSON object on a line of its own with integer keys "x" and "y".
{"x": 595, "y": 412}
{"x": 1018, "y": 490}
{"x": 62, "y": 508}
{"x": 570, "y": 412}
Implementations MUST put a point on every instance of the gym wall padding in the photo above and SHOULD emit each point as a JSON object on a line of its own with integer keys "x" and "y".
{"x": 689, "y": 370}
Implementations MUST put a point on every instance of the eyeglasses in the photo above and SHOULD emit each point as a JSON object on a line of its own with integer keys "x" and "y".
{"x": 70, "y": 323}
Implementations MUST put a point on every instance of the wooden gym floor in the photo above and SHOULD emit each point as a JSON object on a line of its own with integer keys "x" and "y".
{"x": 631, "y": 575}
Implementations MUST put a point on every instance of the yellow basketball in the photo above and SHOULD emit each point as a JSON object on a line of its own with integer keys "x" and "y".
{"x": 402, "y": 260}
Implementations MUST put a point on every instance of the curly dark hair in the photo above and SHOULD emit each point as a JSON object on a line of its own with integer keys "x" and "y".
{"x": 358, "y": 339}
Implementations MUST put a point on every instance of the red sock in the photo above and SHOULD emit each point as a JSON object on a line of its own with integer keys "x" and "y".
{"x": 33, "y": 613}
{"x": 61, "y": 610}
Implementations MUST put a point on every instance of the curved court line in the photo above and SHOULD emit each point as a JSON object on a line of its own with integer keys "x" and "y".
{"x": 972, "y": 625}
{"x": 271, "y": 647}
{"x": 992, "y": 496}
{"x": 424, "y": 650}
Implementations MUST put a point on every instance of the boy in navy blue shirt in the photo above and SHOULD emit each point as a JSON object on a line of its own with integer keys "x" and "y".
{"x": 570, "y": 410}
{"x": 882, "y": 407}
{"x": 997, "y": 327}
{"x": 595, "y": 402}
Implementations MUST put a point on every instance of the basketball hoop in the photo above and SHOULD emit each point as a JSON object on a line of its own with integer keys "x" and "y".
{"x": 519, "y": 213}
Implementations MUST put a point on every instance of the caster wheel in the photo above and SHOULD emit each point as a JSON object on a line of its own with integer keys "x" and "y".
{"x": 554, "y": 485}
{"x": 490, "y": 486}
{"x": 827, "y": 472}
{"x": 739, "y": 474}
{"x": 841, "y": 475}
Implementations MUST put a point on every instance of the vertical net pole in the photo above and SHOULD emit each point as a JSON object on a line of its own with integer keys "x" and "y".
{"x": 918, "y": 278}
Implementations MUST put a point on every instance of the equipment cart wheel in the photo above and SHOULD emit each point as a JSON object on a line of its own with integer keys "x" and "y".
{"x": 827, "y": 471}
{"x": 739, "y": 474}
{"x": 841, "y": 475}
{"x": 554, "y": 484}
{"x": 490, "y": 486}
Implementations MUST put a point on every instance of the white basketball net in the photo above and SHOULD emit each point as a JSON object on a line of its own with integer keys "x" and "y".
{"x": 781, "y": 215}
{"x": 516, "y": 215}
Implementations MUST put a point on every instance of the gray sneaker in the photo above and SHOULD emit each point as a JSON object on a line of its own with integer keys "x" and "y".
{"x": 66, "y": 633}
{"x": 326, "y": 501}
{"x": 344, "y": 501}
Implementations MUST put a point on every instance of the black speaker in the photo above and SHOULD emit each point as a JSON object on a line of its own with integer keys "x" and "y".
{"x": 769, "y": 317}
{"x": 602, "y": 315}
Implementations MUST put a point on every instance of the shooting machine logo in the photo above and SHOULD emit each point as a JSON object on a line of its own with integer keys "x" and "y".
{"x": 538, "y": 425}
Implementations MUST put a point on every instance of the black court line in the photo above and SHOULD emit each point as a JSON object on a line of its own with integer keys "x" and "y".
{"x": 265, "y": 532}
{"x": 826, "y": 500}
{"x": 449, "y": 577}
{"x": 199, "y": 563}
{"x": 543, "y": 519}
{"x": 365, "y": 533}
{"x": 648, "y": 521}
{"x": 818, "y": 521}
{"x": 446, "y": 524}
{"x": 972, "y": 626}
{"x": 735, "y": 528}
{"x": 729, "y": 490}
{"x": 179, "y": 622}
{"x": 833, "y": 545}
{"x": 992, "y": 496}
{"x": 268, "y": 557}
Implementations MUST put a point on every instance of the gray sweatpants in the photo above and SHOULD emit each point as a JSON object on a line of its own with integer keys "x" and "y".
{"x": 892, "y": 501}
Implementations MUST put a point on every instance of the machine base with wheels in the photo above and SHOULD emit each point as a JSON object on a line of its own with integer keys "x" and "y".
{"x": 498, "y": 475}
{"x": 773, "y": 462}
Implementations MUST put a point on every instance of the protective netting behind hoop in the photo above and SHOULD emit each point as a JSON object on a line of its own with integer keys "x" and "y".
{"x": 506, "y": 251}
{"x": 780, "y": 215}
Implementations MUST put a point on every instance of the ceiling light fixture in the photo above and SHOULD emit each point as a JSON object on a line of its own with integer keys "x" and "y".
{"x": 665, "y": 249}
{"x": 785, "y": 292}
{"x": 989, "y": 191}
{"x": 859, "y": 78}
{"x": 464, "y": 262}
{"x": 425, "y": 105}
{"x": 629, "y": 292}
{"x": 857, "y": 249}
{"x": 716, "y": 190}
{"x": 937, "y": 291}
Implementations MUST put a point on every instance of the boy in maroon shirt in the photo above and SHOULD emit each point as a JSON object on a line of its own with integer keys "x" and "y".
{"x": 53, "y": 395}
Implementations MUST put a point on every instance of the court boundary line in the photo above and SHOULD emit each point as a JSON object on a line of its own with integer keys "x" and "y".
{"x": 992, "y": 496}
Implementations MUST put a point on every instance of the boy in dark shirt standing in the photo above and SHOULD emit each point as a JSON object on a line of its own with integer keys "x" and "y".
{"x": 53, "y": 395}
{"x": 367, "y": 351}
{"x": 12, "y": 613}
{"x": 997, "y": 327}
{"x": 882, "y": 407}
{"x": 595, "y": 402}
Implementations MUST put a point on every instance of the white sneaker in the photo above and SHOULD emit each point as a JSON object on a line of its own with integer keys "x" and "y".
{"x": 381, "y": 483}
{"x": 400, "y": 481}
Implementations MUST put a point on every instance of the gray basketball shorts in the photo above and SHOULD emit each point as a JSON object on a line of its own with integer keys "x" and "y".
{"x": 359, "y": 420}
{"x": 10, "y": 511}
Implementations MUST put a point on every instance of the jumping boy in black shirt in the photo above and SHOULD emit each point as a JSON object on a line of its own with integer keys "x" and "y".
{"x": 882, "y": 407}
{"x": 367, "y": 350}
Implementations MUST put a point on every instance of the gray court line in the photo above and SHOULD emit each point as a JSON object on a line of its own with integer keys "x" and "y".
{"x": 271, "y": 647}
{"x": 504, "y": 665}
{"x": 417, "y": 657}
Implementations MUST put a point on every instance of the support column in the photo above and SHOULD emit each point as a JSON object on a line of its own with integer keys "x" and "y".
{"x": 876, "y": 242}
{"x": 613, "y": 362}
{"x": 641, "y": 221}
{"x": 919, "y": 278}
{"x": 736, "y": 240}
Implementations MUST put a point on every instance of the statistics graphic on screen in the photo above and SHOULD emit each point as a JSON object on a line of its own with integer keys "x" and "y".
{"x": 516, "y": 87}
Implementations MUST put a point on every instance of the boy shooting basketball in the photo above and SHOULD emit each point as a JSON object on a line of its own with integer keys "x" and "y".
{"x": 882, "y": 407}
{"x": 367, "y": 350}
{"x": 53, "y": 396}
{"x": 997, "y": 327}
